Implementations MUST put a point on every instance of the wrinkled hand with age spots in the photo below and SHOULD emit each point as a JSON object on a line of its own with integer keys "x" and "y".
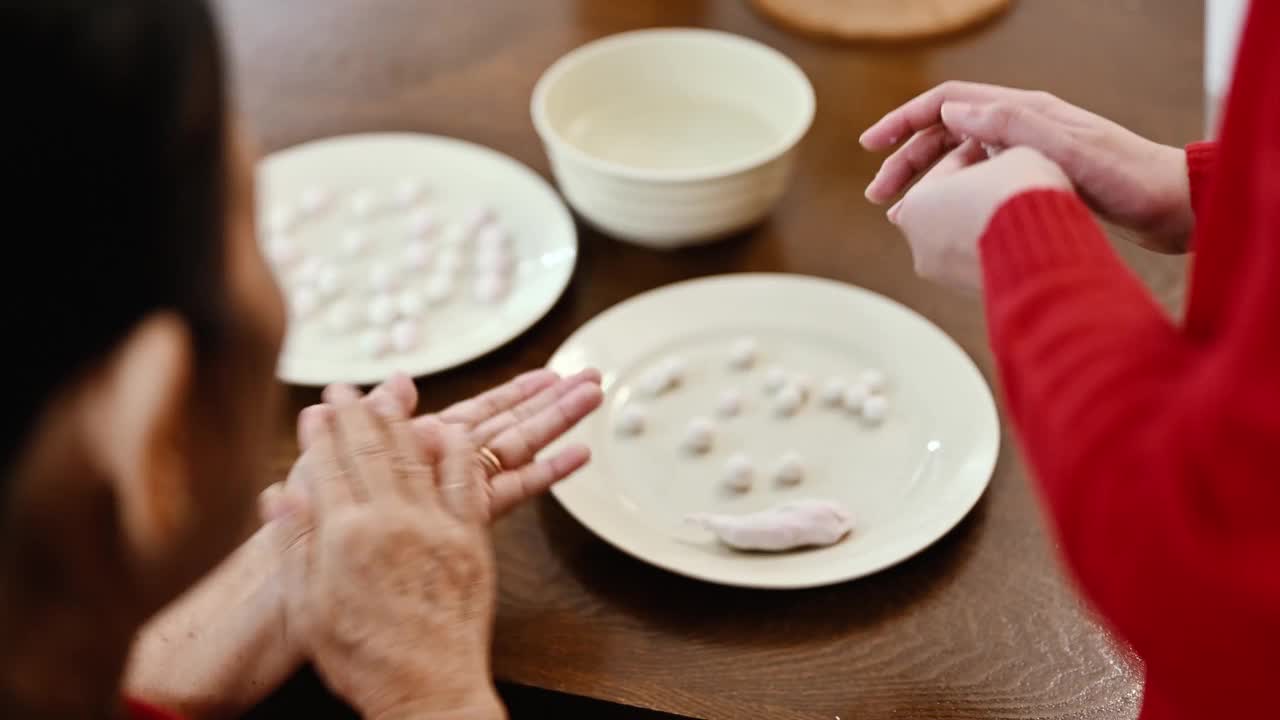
{"x": 392, "y": 590}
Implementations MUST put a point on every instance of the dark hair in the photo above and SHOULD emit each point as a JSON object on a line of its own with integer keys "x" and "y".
{"x": 115, "y": 146}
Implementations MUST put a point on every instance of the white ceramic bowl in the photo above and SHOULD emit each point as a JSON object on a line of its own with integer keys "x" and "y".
{"x": 675, "y": 136}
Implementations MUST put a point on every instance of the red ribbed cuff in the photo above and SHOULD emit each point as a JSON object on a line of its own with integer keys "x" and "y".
{"x": 1039, "y": 231}
{"x": 1201, "y": 158}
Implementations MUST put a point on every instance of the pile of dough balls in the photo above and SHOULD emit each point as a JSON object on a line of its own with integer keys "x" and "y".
{"x": 397, "y": 255}
{"x": 788, "y": 393}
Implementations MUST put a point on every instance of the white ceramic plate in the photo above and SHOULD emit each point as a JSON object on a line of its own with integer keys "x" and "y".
{"x": 459, "y": 177}
{"x": 907, "y": 482}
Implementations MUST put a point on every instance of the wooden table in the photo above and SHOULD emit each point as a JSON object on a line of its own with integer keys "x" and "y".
{"x": 983, "y": 624}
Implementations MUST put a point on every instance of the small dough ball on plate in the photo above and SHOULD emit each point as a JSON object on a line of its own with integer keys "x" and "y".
{"x": 409, "y": 191}
{"x": 874, "y": 409}
{"x": 855, "y": 397}
{"x": 303, "y": 302}
{"x": 743, "y": 353}
{"x": 440, "y": 287}
{"x": 775, "y": 378}
{"x": 423, "y": 222}
{"x": 788, "y": 401}
{"x": 404, "y": 336}
{"x": 329, "y": 281}
{"x": 832, "y": 394}
{"x": 383, "y": 277}
{"x": 375, "y": 342}
{"x": 790, "y": 470}
{"x": 316, "y": 200}
{"x": 499, "y": 261}
{"x": 410, "y": 304}
{"x": 491, "y": 287}
{"x": 676, "y": 369}
{"x": 803, "y": 385}
{"x": 698, "y": 436}
{"x": 873, "y": 380}
{"x": 450, "y": 260}
{"x": 493, "y": 238}
{"x": 343, "y": 317}
{"x": 417, "y": 254}
{"x": 632, "y": 420}
{"x": 354, "y": 243}
{"x": 283, "y": 219}
{"x": 365, "y": 204}
{"x": 730, "y": 403}
{"x": 382, "y": 310}
{"x": 738, "y": 473}
{"x": 283, "y": 250}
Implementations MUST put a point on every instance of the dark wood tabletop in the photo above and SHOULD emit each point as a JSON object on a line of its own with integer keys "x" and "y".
{"x": 982, "y": 625}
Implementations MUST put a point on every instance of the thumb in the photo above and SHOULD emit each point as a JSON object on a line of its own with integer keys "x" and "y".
{"x": 1002, "y": 124}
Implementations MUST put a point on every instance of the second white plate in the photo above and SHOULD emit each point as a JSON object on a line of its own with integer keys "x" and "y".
{"x": 458, "y": 178}
{"x": 907, "y": 481}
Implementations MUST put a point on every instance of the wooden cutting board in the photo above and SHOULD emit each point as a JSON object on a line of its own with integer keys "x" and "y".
{"x": 885, "y": 20}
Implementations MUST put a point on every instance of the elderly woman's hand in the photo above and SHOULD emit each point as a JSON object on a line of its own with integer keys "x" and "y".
{"x": 1130, "y": 180}
{"x": 513, "y": 422}
{"x": 391, "y": 591}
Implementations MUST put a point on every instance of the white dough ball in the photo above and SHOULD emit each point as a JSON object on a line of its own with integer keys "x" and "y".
{"x": 656, "y": 382}
{"x": 308, "y": 271}
{"x": 874, "y": 409}
{"x": 632, "y": 420}
{"x": 283, "y": 251}
{"x": 375, "y": 342}
{"x": 493, "y": 238}
{"x": 440, "y": 287}
{"x": 790, "y": 470}
{"x": 342, "y": 317}
{"x": 354, "y": 242}
{"x": 409, "y": 191}
{"x": 450, "y": 260}
{"x": 329, "y": 280}
{"x": 788, "y": 401}
{"x": 477, "y": 218}
{"x": 283, "y": 219}
{"x": 383, "y": 277}
{"x": 730, "y": 404}
{"x": 676, "y": 369}
{"x": 698, "y": 435}
{"x": 774, "y": 379}
{"x": 382, "y": 310}
{"x": 855, "y": 397}
{"x": 832, "y": 394}
{"x": 303, "y": 302}
{"x": 410, "y": 304}
{"x": 874, "y": 380}
{"x": 454, "y": 234}
{"x": 404, "y": 336}
{"x": 316, "y": 200}
{"x": 417, "y": 254}
{"x": 491, "y": 287}
{"x": 365, "y": 204}
{"x": 743, "y": 353}
{"x": 738, "y": 473}
{"x": 494, "y": 261}
{"x": 423, "y": 222}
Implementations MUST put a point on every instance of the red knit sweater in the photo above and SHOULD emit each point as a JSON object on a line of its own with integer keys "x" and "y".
{"x": 1157, "y": 444}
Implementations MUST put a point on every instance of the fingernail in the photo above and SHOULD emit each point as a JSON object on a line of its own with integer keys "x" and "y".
{"x": 340, "y": 393}
{"x": 893, "y": 211}
{"x": 956, "y": 110}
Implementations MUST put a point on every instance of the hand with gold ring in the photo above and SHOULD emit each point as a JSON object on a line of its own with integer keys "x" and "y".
{"x": 510, "y": 424}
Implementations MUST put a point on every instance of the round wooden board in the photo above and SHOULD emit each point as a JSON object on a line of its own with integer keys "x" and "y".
{"x": 885, "y": 20}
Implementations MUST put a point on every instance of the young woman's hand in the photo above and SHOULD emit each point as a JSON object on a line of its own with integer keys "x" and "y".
{"x": 946, "y": 213}
{"x": 1126, "y": 178}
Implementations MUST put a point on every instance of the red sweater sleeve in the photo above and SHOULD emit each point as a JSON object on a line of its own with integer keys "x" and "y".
{"x": 1155, "y": 452}
{"x": 1201, "y": 157}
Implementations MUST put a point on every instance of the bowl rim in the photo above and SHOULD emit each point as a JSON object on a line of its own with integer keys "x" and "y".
{"x": 583, "y": 53}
